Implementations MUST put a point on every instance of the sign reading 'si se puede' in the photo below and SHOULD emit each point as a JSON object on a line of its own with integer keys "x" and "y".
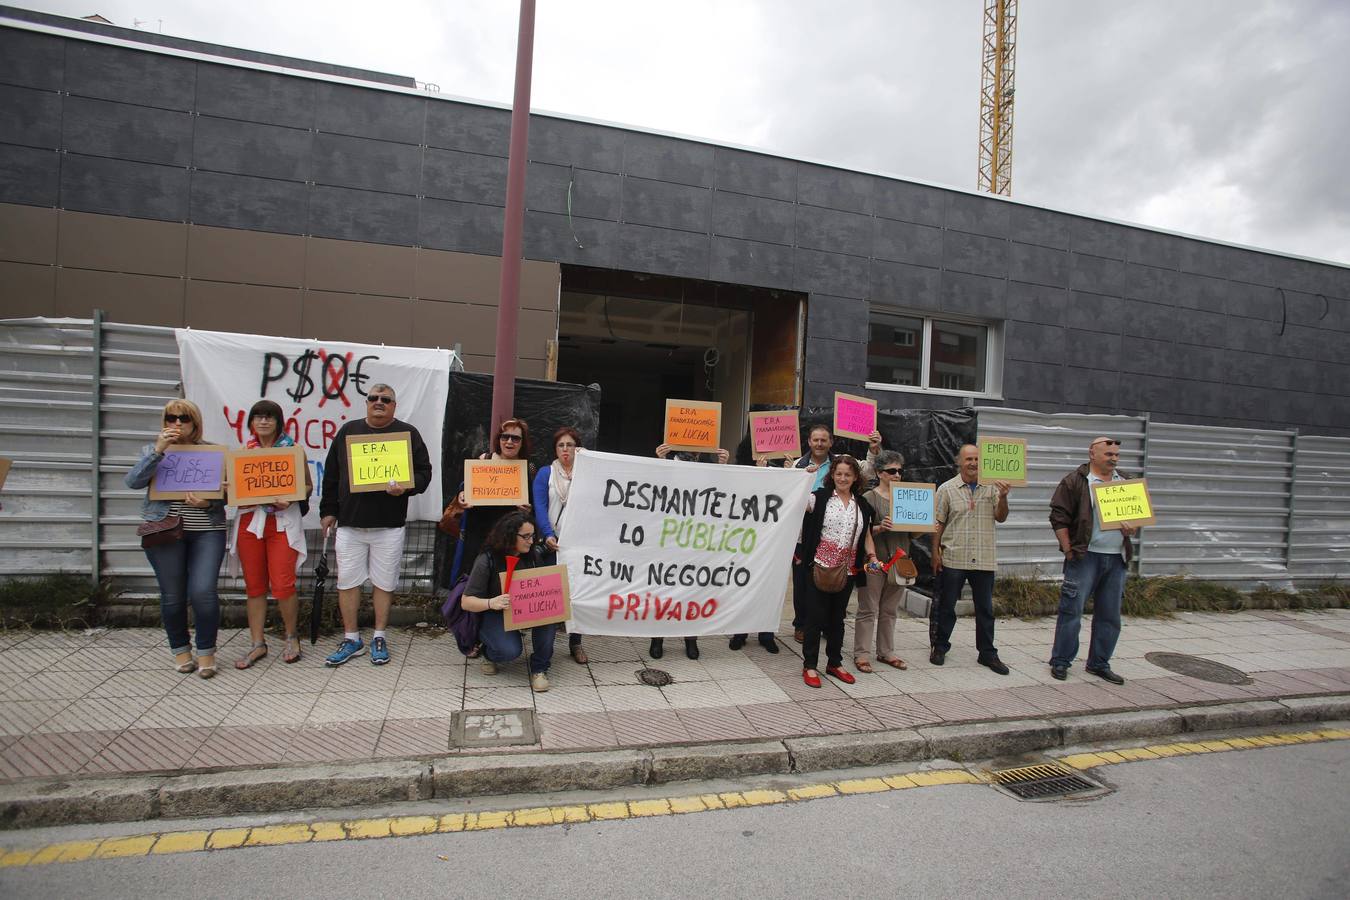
{"x": 1124, "y": 502}
{"x": 374, "y": 460}
{"x": 1002, "y": 459}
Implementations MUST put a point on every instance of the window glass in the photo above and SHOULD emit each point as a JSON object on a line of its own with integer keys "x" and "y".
{"x": 895, "y": 349}
{"x": 958, "y": 358}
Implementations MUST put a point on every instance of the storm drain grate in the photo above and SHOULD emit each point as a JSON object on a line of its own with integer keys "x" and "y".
{"x": 1043, "y": 782}
{"x": 655, "y": 677}
{"x": 1198, "y": 667}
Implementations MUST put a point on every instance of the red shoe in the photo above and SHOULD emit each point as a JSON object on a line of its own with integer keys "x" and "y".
{"x": 837, "y": 672}
{"x": 811, "y": 680}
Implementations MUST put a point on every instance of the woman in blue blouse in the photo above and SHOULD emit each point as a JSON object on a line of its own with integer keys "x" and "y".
{"x": 549, "y": 492}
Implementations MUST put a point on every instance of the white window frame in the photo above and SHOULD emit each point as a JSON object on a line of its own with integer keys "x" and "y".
{"x": 993, "y": 356}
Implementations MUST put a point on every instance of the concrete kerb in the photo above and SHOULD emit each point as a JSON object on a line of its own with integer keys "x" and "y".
{"x": 48, "y": 802}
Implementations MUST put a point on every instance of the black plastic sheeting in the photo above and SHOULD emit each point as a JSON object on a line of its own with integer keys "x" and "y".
{"x": 545, "y": 406}
{"x": 928, "y": 438}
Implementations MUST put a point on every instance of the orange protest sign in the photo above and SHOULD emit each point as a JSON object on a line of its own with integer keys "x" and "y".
{"x": 265, "y": 475}
{"x": 693, "y": 425}
{"x": 496, "y": 482}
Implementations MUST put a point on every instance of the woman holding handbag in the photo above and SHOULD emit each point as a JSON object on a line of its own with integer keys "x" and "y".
{"x": 185, "y": 543}
{"x": 270, "y": 544}
{"x": 879, "y": 598}
{"x": 837, "y": 545}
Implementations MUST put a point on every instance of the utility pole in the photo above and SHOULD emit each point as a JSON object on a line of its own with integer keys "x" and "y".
{"x": 508, "y": 298}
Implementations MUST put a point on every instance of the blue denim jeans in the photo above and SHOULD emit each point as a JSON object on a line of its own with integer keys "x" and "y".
{"x": 1102, "y": 577}
{"x": 502, "y": 646}
{"x": 187, "y": 571}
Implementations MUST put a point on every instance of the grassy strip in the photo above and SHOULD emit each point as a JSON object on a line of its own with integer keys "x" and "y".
{"x": 1162, "y": 595}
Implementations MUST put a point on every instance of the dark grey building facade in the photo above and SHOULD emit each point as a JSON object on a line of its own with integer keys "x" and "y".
{"x": 917, "y": 295}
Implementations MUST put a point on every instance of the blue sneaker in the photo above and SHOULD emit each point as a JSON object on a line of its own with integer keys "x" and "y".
{"x": 345, "y": 651}
{"x": 379, "y": 652}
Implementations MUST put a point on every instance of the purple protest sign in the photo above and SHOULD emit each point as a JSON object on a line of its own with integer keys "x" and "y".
{"x": 196, "y": 469}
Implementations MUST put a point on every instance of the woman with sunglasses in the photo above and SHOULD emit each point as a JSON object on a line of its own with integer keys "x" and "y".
{"x": 512, "y": 441}
{"x": 879, "y": 598}
{"x": 186, "y": 566}
{"x": 270, "y": 544}
{"x": 550, "y": 491}
{"x": 512, "y": 535}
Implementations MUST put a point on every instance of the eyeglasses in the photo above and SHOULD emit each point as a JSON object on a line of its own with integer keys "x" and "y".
{"x": 379, "y": 398}
{"x": 170, "y": 417}
{"x": 566, "y": 445}
{"x": 511, "y": 438}
{"x": 892, "y": 471}
{"x": 524, "y": 536}
{"x": 1108, "y": 441}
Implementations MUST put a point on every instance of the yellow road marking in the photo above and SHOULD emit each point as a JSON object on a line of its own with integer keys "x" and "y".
{"x": 532, "y": 817}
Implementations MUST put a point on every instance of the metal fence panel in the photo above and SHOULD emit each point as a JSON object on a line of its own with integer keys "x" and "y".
{"x": 47, "y": 410}
{"x": 1057, "y": 444}
{"x": 1320, "y": 516}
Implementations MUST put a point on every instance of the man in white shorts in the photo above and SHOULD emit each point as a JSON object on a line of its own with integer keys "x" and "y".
{"x": 369, "y": 525}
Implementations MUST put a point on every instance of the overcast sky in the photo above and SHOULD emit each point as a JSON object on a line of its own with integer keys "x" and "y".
{"x": 1223, "y": 118}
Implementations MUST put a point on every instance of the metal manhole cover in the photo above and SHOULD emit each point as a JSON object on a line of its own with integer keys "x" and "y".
{"x": 1045, "y": 782}
{"x": 1198, "y": 667}
{"x": 655, "y": 677}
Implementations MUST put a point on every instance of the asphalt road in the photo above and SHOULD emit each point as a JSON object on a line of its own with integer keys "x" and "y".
{"x": 1241, "y": 824}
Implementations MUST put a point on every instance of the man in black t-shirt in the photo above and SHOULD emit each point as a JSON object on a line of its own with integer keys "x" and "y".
{"x": 370, "y": 525}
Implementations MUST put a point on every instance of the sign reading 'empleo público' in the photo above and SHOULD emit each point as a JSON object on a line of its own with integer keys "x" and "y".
{"x": 913, "y": 506}
{"x": 1124, "y": 502}
{"x": 1002, "y": 459}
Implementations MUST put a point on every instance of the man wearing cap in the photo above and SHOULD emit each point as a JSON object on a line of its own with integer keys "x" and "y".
{"x": 965, "y": 550}
{"x": 1095, "y": 562}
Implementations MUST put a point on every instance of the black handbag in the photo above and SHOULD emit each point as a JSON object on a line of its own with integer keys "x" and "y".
{"x": 156, "y": 534}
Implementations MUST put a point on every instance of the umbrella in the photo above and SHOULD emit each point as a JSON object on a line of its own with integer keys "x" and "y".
{"x": 320, "y": 580}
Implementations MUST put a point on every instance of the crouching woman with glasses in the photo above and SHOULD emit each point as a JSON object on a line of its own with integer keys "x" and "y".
{"x": 513, "y": 535}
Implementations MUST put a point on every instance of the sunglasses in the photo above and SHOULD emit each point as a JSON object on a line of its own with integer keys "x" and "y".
{"x": 184, "y": 420}
{"x": 379, "y": 398}
{"x": 1110, "y": 442}
{"x": 892, "y": 471}
{"x": 511, "y": 438}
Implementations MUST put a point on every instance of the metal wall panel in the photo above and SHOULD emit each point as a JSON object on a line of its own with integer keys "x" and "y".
{"x": 1056, "y": 445}
{"x": 1320, "y": 517}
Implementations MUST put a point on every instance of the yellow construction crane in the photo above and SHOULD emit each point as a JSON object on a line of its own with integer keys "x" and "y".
{"x": 996, "y": 96}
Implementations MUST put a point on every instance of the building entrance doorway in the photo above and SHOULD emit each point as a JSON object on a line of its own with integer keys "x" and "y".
{"x": 645, "y": 339}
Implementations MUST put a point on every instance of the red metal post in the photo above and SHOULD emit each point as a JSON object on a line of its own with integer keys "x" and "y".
{"x": 508, "y": 300}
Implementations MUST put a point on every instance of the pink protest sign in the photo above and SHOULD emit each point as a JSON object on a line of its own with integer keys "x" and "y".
{"x": 775, "y": 434}
{"x": 538, "y": 597}
{"x": 854, "y": 417}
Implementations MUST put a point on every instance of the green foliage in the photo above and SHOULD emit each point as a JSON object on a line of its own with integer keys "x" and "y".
{"x": 1026, "y": 598}
{"x": 60, "y": 601}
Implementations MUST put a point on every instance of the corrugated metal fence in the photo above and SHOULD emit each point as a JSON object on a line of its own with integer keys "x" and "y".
{"x": 1234, "y": 505}
{"x": 56, "y": 510}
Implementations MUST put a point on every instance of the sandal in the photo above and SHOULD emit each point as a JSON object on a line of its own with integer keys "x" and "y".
{"x": 251, "y": 657}
{"x": 185, "y": 668}
{"x": 862, "y": 665}
{"x": 207, "y": 671}
{"x": 290, "y": 651}
{"x": 896, "y": 662}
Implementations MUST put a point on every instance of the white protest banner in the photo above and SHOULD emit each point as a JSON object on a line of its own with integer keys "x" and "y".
{"x": 665, "y": 548}
{"x": 319, "y": 385}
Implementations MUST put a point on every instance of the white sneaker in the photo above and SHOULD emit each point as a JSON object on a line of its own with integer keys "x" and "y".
{"x": 487, "y": 667}
{"x": 539, "y": 682}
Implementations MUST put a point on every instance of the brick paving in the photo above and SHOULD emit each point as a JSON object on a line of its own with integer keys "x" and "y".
{"x": 109, "y": 703}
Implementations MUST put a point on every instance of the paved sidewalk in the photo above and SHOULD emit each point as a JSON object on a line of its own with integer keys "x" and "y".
{"x": 110, "y": 703}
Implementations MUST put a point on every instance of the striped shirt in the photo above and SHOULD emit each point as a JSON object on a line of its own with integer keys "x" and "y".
{"x": 194, "y": 519}
{"x": 967, "y": 520}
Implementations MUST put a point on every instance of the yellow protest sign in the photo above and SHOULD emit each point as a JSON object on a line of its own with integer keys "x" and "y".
{"x": 496, "y": 482}
{"x": 1124, "y": 502}
{"x": 374, "y": 460}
